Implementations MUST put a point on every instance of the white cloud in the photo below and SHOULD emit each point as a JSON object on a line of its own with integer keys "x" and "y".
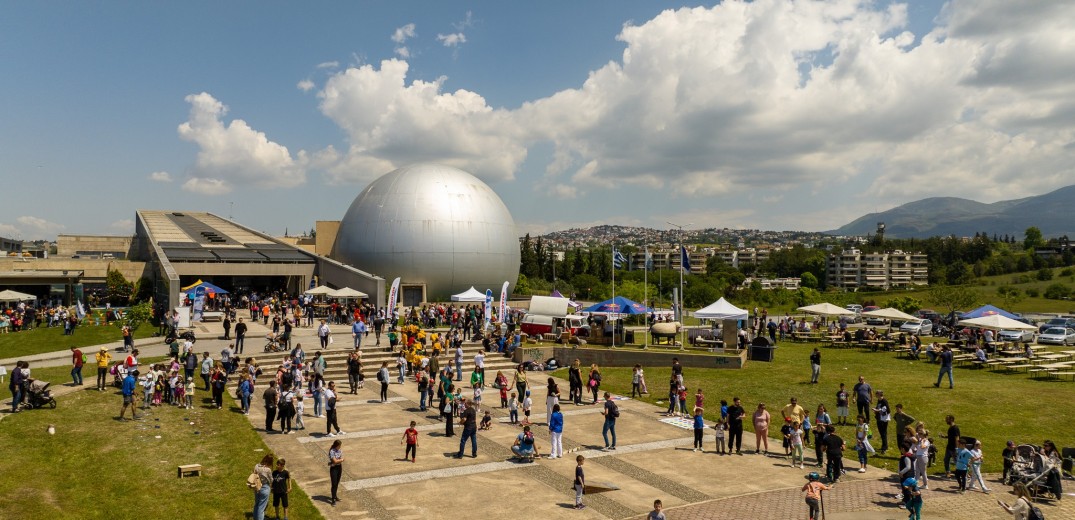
{"x": 124, "y": 226}
{"x": 452, "y": 40}
{"x": 160, "y": 176}
{"x": 37, "y": 226}
{"x": 305, "y": 85}
{"x": 390, "y": 123}
{"x": 235, "y": 153}
{"x": 400, "y": 36}
{"x": 9, "y": 231}
{"x": 329, "y": 65}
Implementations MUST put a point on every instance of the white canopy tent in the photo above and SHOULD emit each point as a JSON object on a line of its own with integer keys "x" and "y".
{"x": 890, "y": 313}
{"x": 320, "y": 290}
{"x": 721, "y": 310}
{"x": 348, "y": 293}
{"x": 996, "y": 322}
{"x": 470, "y": 295}
{"x": 826, "y": 309}
{"x": 15, "y": 296}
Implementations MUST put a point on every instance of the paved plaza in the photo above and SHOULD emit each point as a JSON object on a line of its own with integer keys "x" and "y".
{"x": 654, "y": 460}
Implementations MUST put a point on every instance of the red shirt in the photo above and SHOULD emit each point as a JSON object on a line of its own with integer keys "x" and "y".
{"x": 412, "y": 436}
{"x": 76, "y": 357}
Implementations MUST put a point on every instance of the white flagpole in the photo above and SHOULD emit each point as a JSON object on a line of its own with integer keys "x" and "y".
{"x": 645, "y": 289}
{"x": 613, "y": 294}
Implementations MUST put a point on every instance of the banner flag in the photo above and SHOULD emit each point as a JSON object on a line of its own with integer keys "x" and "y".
{"x": 503, "y": 303}
{"x": 488, "y": 306}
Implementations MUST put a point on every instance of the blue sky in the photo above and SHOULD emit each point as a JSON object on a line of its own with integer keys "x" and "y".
{"x": 775, "y": 114}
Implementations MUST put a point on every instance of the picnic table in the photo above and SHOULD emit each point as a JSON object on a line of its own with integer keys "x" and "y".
{"x": 882, "y": 344}
{"x": 805, "y": 336}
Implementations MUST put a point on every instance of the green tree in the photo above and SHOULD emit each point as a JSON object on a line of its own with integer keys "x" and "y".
{"x": 905, "y": 303}
{"x": 951, "y": 297}
{"x": 118, "y": 289}
{"x": 588, "y": 286}
{"x": 698, "y": 293}
{"x": 635, "y": 290}
{"x": 1057, "y": 291}
{"x": 958, "y": 273}
{"x": 1045, "y": 274}
{"x": 528, "y": 262}
{"x": 522, "y": 286}
{"x": 809, "y": 280}
{"x": 1032, "y": 239}
{"x": 143, "y": 290}
{"x": 136, "y": 315}
{"x": 1009, "y": 295}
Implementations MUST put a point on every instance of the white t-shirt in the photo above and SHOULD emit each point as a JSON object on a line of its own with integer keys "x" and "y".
{"x": 479, "y": 360}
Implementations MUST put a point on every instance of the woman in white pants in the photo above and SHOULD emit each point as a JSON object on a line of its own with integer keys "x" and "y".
{"x": 976, "y": 467}
{"x": 921, "y": 457}
{"x": 556, "y": 432}
{"x": 552, "y": 399}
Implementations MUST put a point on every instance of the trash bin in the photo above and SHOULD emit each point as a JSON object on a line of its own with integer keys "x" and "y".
{"x": 629, "y": 337}
{"x": 762, "y": 349}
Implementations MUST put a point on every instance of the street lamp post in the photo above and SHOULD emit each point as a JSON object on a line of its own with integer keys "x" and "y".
{"x": 682, "y": 267}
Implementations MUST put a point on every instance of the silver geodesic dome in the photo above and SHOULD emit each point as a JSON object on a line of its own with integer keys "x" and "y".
{"x": 431, "y": 224}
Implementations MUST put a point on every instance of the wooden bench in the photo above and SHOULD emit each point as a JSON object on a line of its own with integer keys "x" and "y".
{"x": 190, "y": 470}
{"x": 1058, "y": 375}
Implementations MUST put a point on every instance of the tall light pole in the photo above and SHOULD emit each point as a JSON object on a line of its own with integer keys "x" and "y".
{"x": 682, "y": 267}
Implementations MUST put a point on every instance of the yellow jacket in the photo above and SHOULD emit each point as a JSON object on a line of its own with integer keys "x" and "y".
{"x": 103, "y": 359}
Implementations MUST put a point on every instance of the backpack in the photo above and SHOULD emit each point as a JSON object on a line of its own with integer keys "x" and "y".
{"x": 615, "y": 411}
{"x": 1034, "y": 513}
{"x": 253, "y": 481}
{"x": 380, "y": 376}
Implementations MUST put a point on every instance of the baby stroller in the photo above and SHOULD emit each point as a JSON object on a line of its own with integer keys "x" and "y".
{"x": 119, "y": 372}
{"x": 1035, "y": 471}
{"x": 38, "y": 395}
{"x": 274, "y": 343}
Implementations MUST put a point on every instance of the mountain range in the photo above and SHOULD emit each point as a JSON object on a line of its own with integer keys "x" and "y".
{"x": 1053, "y": 213}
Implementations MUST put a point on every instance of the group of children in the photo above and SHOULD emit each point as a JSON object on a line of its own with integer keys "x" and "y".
{"x": 162, "y": 386}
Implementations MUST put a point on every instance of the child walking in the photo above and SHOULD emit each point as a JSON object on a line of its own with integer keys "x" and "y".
{"x": 411, "y": 438}
{"x": 189, "y": 392}
{"x": 300, "y": 408}
{"x": 699, "y": 399}
{"x": 785, "y": 431}
{"x": 580, "y": 482}
{"x": 513, "y": 409}
{"x": 179, "y": 394}
{"x": 914, "y": 499}
{"x": 699, "y": 427}
{"x": 158, "y": 391}
{"x": 527, "y": 404}
{"x": 813, "y": 490}
{"x": 504, "y": 396}
{"x": 796, "y": 438}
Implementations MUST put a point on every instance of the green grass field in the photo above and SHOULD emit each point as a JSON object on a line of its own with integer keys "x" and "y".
{"x": 991, "y": 406}
{"x": 99, "y": 468}
{"x": 44, "y": 339}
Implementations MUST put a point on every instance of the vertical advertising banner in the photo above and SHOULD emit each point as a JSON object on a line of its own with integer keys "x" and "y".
{"x": 503, "y": 303}
{"x": 488, "y": 307}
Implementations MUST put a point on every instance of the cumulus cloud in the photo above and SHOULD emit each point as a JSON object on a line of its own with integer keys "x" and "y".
{"x": 235, "y": 153}
{"x": 305, "y": 85}
{"x": 9, "y": 231}
{"x": 39, "y": 225}
{"x": 390, "y": 122}
{"x": 161, "y": 176}
{"x": 400, "y": 37}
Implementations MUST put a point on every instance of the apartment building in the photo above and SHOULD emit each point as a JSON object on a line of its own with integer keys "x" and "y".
{"x": 852, "y": 269}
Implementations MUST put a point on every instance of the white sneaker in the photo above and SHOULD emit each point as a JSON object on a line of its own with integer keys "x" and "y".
{"x": 341, "y": 433}
{"x": 332, "y": 435}
{"x": 862, "y": 470}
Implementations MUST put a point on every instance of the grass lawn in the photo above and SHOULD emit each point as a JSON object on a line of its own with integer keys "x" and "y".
{"x": 97, "y": 467}
{"x": 991, "y": 406}
{"x": 44, "y": 339}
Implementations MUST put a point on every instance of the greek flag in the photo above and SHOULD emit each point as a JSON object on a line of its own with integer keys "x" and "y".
{"x": 649, "y": 260}
{"x": 684, "y": 258}
{"x": 618, "y": 259}
{"x": 80, "y": 310}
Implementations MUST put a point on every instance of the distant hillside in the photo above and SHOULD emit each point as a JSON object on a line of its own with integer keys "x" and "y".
{"x": 1053, "y": 213}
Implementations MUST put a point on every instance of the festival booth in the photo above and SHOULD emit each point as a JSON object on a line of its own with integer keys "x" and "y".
{"x": 728, "y": 315}
{"x": 321, "y": 307}
{"x": 470, "y": 295}
{"x": 203, "y": 297}
{"x": 348, "y": 293}
{"x": 8, "y": 296}
{"x": 605, "y": 321}
{"x": 570, "y": 303}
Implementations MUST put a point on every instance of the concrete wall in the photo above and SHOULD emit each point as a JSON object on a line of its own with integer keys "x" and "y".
{"x": 326, "y": 236}
{"x": 69, "y": 245}
{"x": 95, "y": 268}
{"x": 337, "y": 275}
{"x": 626, "y": 358}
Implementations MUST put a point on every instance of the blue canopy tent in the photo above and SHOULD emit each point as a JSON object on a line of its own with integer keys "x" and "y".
{"x": 618, "y": 305}
{"x": 988, "y": 310}
{"x": 191, "y": 290}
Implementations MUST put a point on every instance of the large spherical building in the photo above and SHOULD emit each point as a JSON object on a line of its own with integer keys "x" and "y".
{"x": 434, "y": 226}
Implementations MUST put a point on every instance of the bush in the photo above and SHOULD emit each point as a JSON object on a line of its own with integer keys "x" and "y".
{"x": 1067, "y": 271}
{"x": 1057, "y": 291}
{"x": 1045, "y": 274}
{"x": 1021, "y": 278}
{"x": 1032, "y": 292}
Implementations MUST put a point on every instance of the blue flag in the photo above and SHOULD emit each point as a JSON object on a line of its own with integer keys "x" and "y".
{"x": 649, "y": 260}
{"x": 618, "y": 259}
{"x": 684, "y": 258}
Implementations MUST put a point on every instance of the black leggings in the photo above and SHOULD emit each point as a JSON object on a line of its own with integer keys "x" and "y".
{"x": 698, "y": 438}
{"x": 961, "y": 478}
{"x": 636, "y": 388}
{"x": 384, "y": 390}
{"x": 812, "y": 503}
{"x": 334, "y": 473}
{"x": 412, "y": 451}
{"x": 101, "y": 373}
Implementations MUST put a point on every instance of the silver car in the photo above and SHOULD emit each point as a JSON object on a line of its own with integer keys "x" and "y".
{"x": 920, "y": 327}
{"x": 1016, "y": 336}
{"x": 1057, "y": 336}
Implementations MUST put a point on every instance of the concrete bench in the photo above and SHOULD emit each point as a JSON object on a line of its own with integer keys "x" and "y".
{"x": 213, "y": 316}
{"x": 190, "y": 470}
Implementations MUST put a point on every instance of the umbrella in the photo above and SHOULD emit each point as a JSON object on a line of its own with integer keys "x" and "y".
{"x": 826, "y": 309}
{"x": 209, "y": 288}
{"x": 996, "y": 322}
{"x": 348, "y": 293}
{"x": 320, "y": 290}
{"x": 15, "y": 296}
{"x": 619, "y": 305}
{"x": 890, "y": 313}
{"x": 988, "y": 310}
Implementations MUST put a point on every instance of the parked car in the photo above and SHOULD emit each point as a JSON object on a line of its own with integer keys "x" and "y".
{"x": 928, "y": 314}
{"x": 1057, "y": 336}
{"x": 871, "y": 320}
{"x": 1016, "y": 336}
{"x": 922, "y": 327}
{"x": 1057, "y": 322}
{"x": 855, "y": 308}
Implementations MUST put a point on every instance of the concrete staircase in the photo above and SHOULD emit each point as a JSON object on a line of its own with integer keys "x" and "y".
{"x": 373, "y": 356}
